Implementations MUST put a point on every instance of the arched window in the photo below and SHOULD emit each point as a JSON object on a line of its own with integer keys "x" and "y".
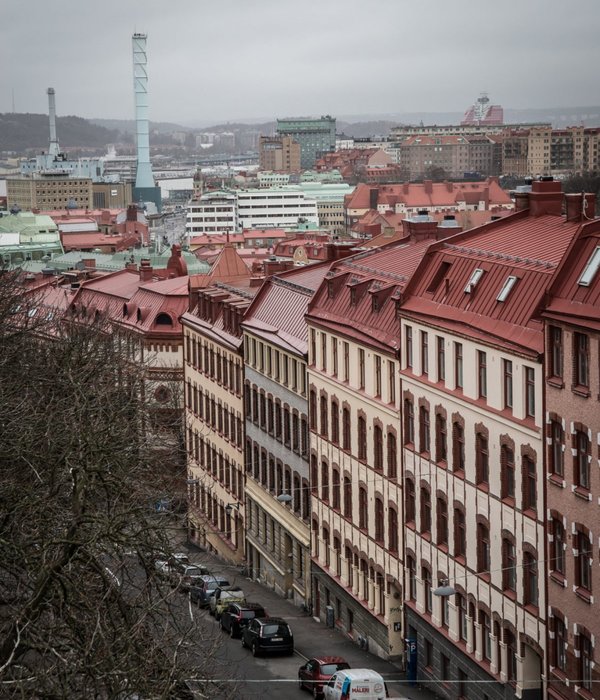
{"x": 392, "y": 529}
{"x": 410, "y": 501}
{"x": 363, "y": 508}
{"x": 163, "y": 319}
{"x": 379, "y": 521}
{"x": 392, "y": 456}
{"x": 378, "y": 447}
{"x": 346, "y": 436}
{"x": 362, "y": 438}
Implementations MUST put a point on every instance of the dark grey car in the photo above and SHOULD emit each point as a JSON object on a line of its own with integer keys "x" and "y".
{"x": 202, "y": 590}
{"x": 237, "y": 615}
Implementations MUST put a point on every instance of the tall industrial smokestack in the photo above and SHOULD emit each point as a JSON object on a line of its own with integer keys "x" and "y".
{"x": 54, "y": 148}
{"x": 144, "y": 177}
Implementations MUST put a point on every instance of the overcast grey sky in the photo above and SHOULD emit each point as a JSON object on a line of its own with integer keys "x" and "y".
{"x": 219, "y": 60}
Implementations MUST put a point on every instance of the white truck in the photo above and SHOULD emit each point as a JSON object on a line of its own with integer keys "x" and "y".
{"x": 355, "y": 684}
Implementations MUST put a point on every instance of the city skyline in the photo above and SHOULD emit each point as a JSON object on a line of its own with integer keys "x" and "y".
{"x": 209, "y": 64}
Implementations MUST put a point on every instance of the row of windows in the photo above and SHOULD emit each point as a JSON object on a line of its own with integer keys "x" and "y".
{"x": 581, "y": 551}
{"x": 438, "y": 451}
{"x": 576, "y": 661}
{"x": 217, "y": 514}
{"x": 278, "y": 478}
{"x": 289, "y": 371}
{"x": 480, "y": 363}
{"x": 337, "y": 491}
{"x": 214, "y": 462}
{"x": 335, "y": 357}
{"x": 329, "y": 427}
{"x": 579, "y": 351}
{"x": 281, "y": 422}
{"x": 580, "y": 453}
{"x": 219, "y": 417}
{"x": 219, "y": 367}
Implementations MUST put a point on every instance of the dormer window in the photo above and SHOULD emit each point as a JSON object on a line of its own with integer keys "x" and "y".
{"x": 375, "y": 303}
{"x": 163, "y": 319}
{"x": 588, "y": 274}
{"x": 473, "y": 280}
{"x": 508, "y": 285}
{"x": 352, "y": 296}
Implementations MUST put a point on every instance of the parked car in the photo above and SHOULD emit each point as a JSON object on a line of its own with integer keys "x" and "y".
{"x": 237, "y": 615}
{"x": 184, "y": 576}
{"x": 268, "y": 634}
{"x": 222, "y": 597}
{"x": 203, "y": 588}
{"x": 316, "y": 672}
{"x": 355, "y": 683}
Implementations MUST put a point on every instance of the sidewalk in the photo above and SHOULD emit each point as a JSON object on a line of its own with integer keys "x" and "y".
{"x": 311, "y": 637}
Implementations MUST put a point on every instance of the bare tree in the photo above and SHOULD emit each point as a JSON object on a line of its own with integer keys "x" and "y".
{"x": 83, "y": 611}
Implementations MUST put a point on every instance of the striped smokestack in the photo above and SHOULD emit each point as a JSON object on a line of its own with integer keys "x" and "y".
{"x": 144, "y": 177}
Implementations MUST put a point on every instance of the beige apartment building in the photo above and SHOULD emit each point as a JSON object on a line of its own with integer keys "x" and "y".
{"x": 279, "y": 154}
{"x": 49, "y": 193}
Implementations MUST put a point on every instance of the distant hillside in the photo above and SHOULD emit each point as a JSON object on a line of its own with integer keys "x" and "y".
{"x": 19, "y": 132}
{"x": 128, "y": 125}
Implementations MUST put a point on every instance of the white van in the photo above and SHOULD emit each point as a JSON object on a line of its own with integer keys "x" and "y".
{"x": 355, "y": 684}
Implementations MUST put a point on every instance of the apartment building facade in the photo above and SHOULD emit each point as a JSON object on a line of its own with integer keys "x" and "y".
{"x": 213, "y": 212}
{"x": 276, "y": 449}
{"x": 474, "y": 446}
{"x": 315, "y": 136}
{"x": 572, "y": 431}
{"x": 48, "y": 192}
{"x": 279, "y": 154}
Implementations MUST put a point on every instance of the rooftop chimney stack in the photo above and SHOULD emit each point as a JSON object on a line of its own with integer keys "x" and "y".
{"x": 144, "y": 177}
{"x": 54, "y": 148}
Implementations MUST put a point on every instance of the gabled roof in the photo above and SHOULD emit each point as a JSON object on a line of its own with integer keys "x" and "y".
{"x": 526, "y": 247}
{"x": 228, "y": 267}
{"x": 277, "y": 312}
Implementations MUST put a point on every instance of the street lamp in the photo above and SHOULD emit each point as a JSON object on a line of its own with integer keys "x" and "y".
{"x": 445, "y": 590}
{"x": 284, "y": 498}
{"x": 230, "y": 506}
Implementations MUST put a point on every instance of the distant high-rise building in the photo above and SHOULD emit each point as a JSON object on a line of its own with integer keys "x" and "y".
{"x": 315, "y": 136}
{"x": 279, "y": 153}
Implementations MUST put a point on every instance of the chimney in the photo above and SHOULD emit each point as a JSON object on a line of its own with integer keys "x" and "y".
{"x": 373, "y": 197}
{"x": 521, "y": 200}
{"x": 273, "y": 266}
{"x": 420, "y": 230}
{"x": 575, "y": 204}
{"x": 54, "y": 148}
{"x": 428, "y": 185}
{"x": 132, "y": 212}
{"x": 405, "y": 187}
{"x": 145, "y": 270}
{"x": 546, "y": 197}
{"x": 448, "y": 184}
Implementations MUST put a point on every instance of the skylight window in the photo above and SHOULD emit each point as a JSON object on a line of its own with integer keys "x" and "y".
{"x": 590, "y": 270}
{"x": 475, "y": 277}
{"x": 508, "y": 285}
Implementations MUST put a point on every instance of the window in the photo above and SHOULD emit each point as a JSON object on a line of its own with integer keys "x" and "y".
{"x": 560, "y": 644}
{"x": 530, "y": 579}
{"x": 424, "y": 353}
{"x": 461, "y": 606}
{"x": 556, "y": 351}
{"x": 392, "y": 456}
{"x": 507, "y": 465}
{"x": 556, "y": 461}
{"x": 426, "y": 578}
{"x": 581, "y": 466}
{"x": 482, "y": 459}
{"x": 408, "y": 342}
{"x": 346, "y": 362}
{"x": 511, "y": 656}
{"x": 314, "y": 476}
{"x": 391, "y": 382}
{"x": 425, "y": 511}
{"x": 334, "y": 355}
{"x": 441, "y": 516}
{"x": 313, "y": 347}
{"x": 323, "y": 352}
{"x": 441, "y": 359}
{"x": 346, "y": 438}
{"x": 441, "y": 438}
{"x": 363, "y": 508}
{"x": 583, "y": 560}
{"x": 486, "y": 635}
{"x": 586, "y": 660}
{"x": 590, "y": 269}
{"x": 482, "y": 374}
{"x": 378, "y": 448}
{"x": 412, "y": 577}
{"x": 410, "y": 501}
{"x": 392, "y": 530}
{"x": 362, "y": 438}
{"x": 335, "y": 489}
{"x": 361, "y": 368}
{"x": 409, "y": 422}
{"x": 507, "y": 372}
{"x": 424, "y": 430}
{"x": 313, "y": 409}
{"x": 458, "y": 365}
{"x": 460, "y": 533}
{"x": 483, "y": 548}
{"x": 324, "y": 427}
{"x": 324, "y": 481}
{"x": 335, "y": 422}
{"x": 530, "y": 392}
{"x": 581, "y": 356}
{"x": 506, "y": 287}
{"x": 377, "y": 375}
{"x": 347, "y": 497}
{"x": 458, "y": 447}
{"x": 509, "y": 564}
{"x": 529, "y": 484}
{"x": 557, "y": 546}
{"x": 379, "y": 528}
